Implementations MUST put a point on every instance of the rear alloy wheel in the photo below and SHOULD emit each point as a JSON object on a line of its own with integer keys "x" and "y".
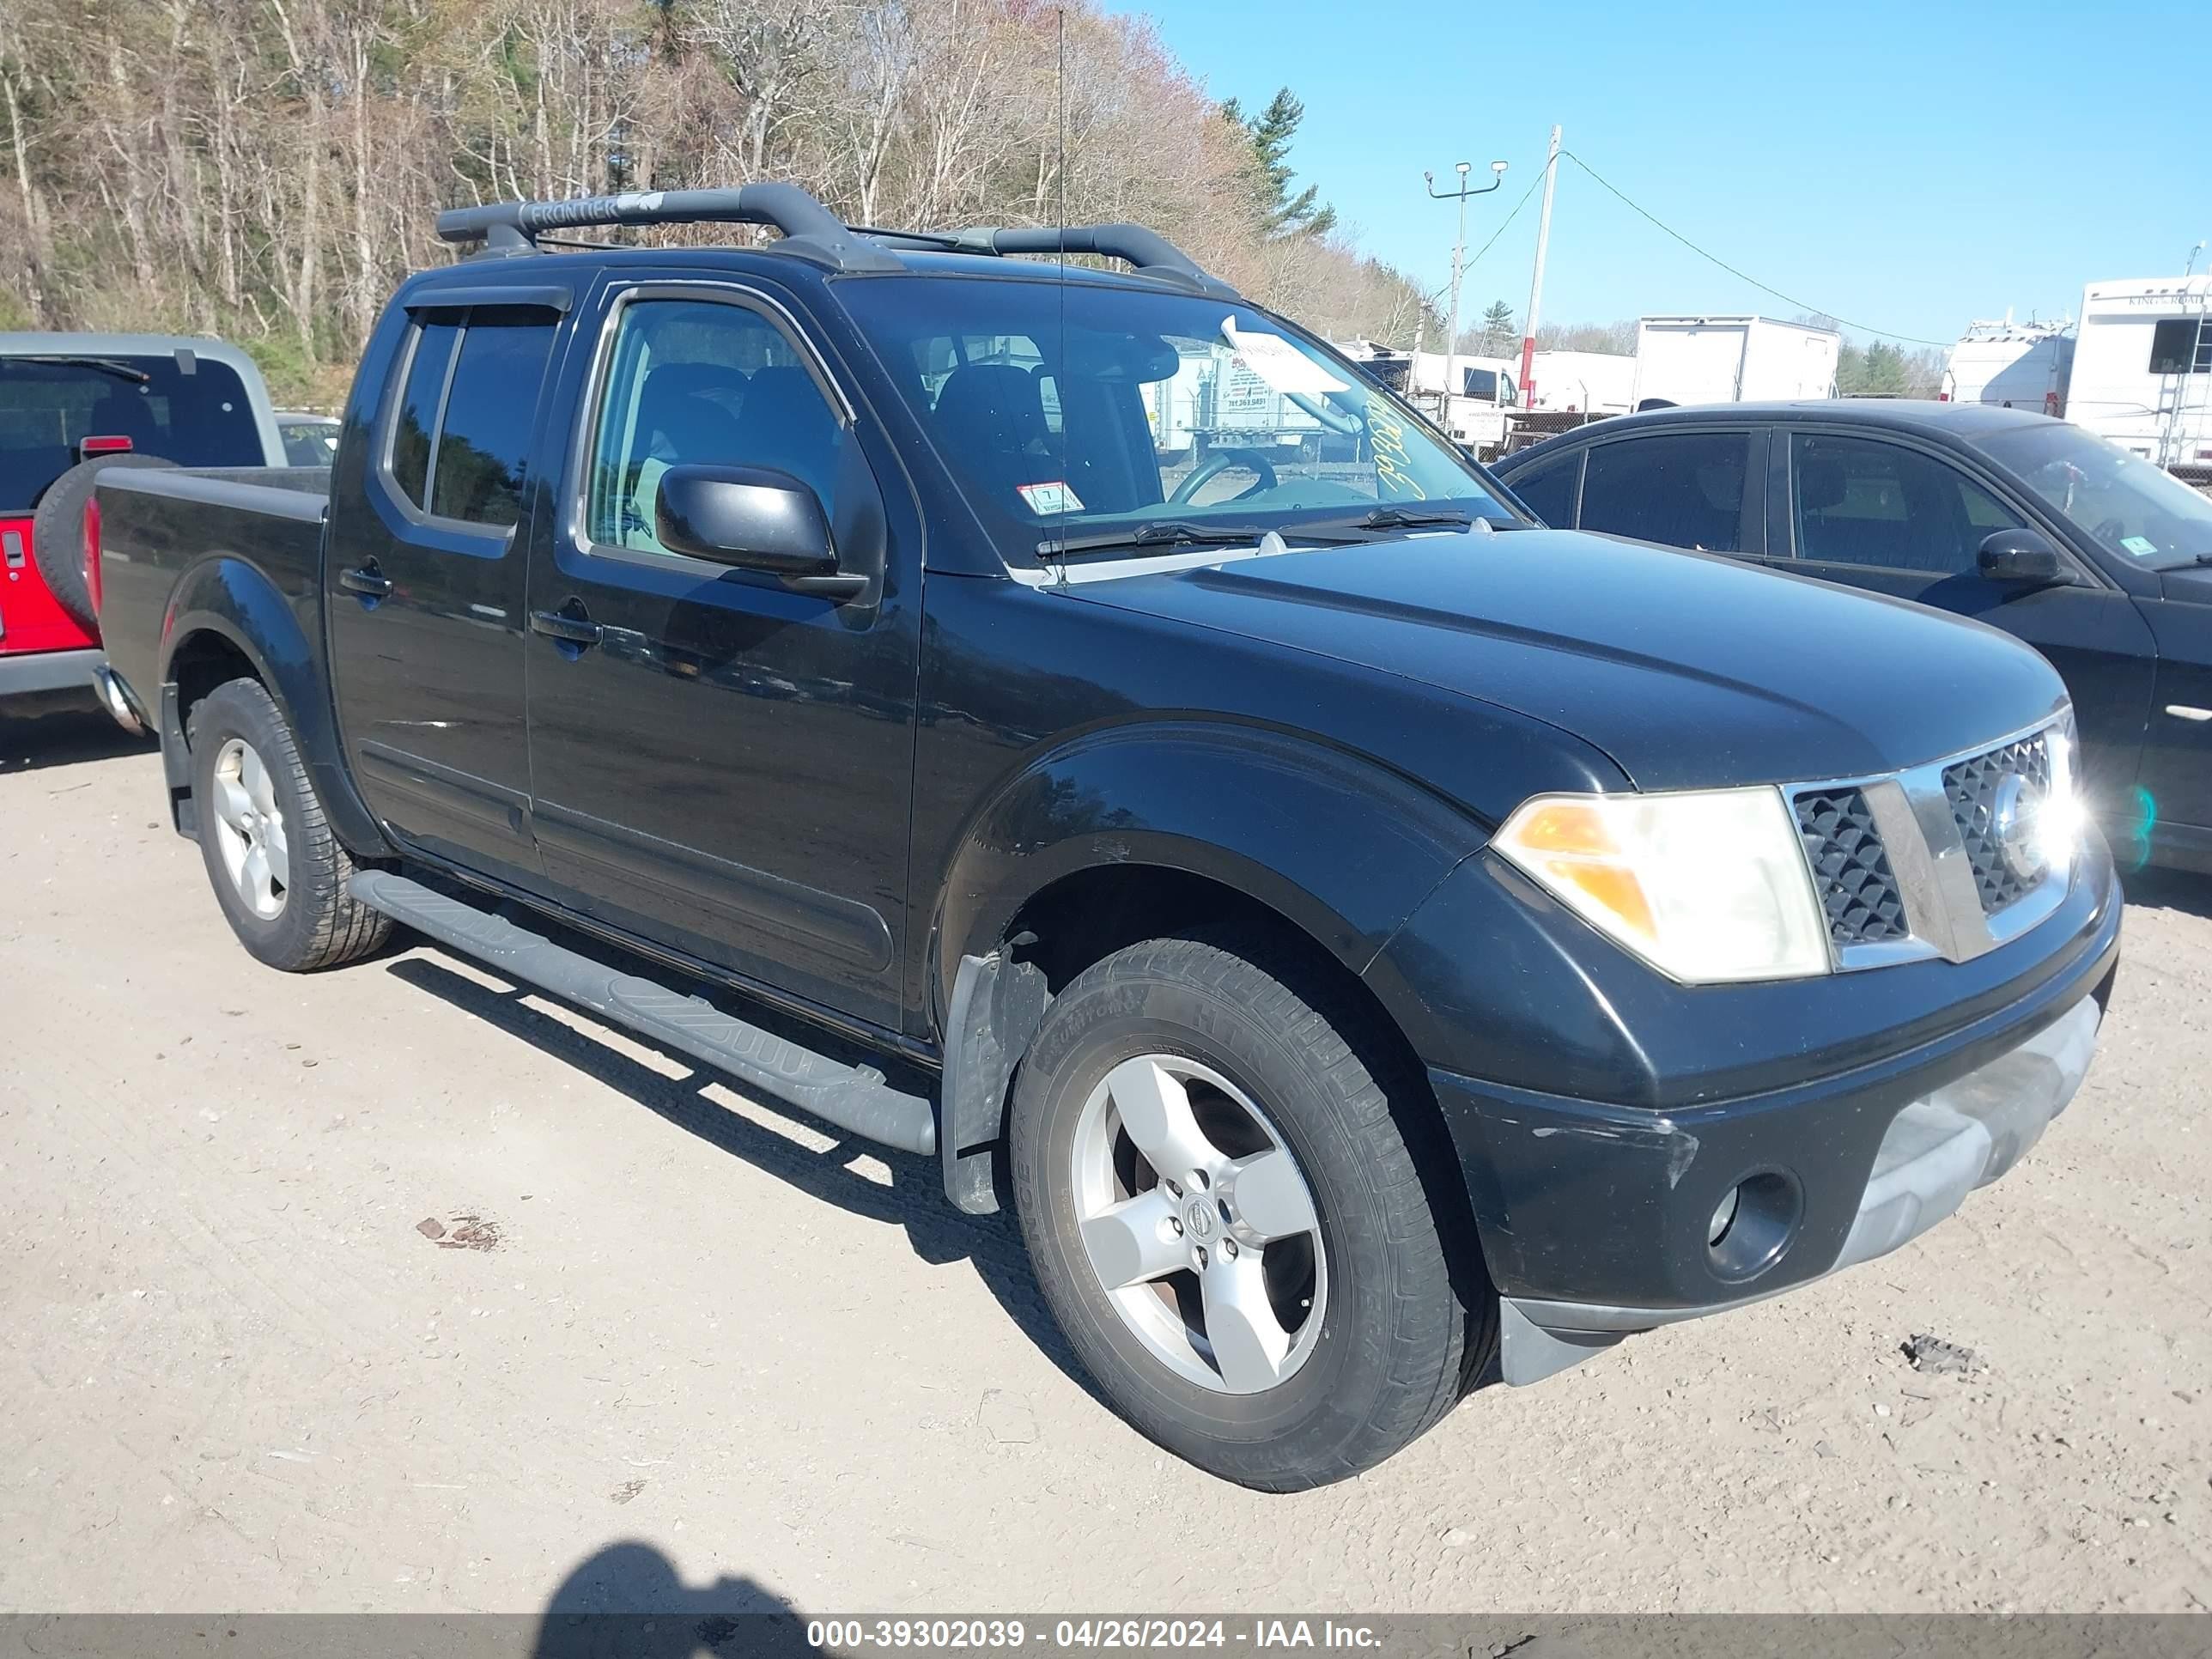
{"x": 1213, "y": 1154}
{"x": 277, "y": 870}
{"x": 249, "y": 829}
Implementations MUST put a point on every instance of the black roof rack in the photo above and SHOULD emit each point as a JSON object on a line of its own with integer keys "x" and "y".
{"x": 809, "y": 229}
{"x": 1148, "y": 251}
{"x": 813, "y": 232}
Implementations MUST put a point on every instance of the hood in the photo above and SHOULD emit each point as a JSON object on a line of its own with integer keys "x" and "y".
{"x": 1689, "y": 671}
{"x": 2190, "y": 585}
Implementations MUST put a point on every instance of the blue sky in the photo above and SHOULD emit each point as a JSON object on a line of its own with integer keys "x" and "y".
{"x": 1908, "y": 168}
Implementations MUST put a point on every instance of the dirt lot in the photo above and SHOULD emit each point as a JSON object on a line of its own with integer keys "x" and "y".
{"x": 241, "y": 1374}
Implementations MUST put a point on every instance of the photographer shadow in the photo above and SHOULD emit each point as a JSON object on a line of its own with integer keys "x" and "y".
{"x": 627, "y": 1601}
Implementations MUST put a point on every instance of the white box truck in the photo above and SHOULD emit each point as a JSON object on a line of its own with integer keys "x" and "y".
{"x": 1730, "y": 360}
{"x": 2143, "y": 367}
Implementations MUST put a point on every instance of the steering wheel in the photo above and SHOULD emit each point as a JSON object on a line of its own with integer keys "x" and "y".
{"x": 1217, "y": 462}
{"x": 2111, "y": 530}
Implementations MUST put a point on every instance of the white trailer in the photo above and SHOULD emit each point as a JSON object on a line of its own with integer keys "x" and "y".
{"x": 2009, "y": 365}
{"x": 1593, "y": 382}
{"x": 1729, "y": 359}
{"x": 2143, "y": 367}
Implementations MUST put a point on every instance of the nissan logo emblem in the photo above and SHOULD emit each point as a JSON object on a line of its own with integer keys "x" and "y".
{"x": 2015, "y": 822}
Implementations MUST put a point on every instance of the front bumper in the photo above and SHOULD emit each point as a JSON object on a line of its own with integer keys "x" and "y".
{"x": 1963, "y": 1135}
{"x": 1862, "y": 1107}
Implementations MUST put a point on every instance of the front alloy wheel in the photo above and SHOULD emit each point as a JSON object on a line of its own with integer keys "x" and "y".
{"x": 1239, "y": 1199}
{"x": 1198, "y": 1224}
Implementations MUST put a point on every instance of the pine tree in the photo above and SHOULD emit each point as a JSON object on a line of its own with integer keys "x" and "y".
{"x": 1496, "y": 330}
{"x": 1884, "y": 372}
{"x": 1271, "y": 131}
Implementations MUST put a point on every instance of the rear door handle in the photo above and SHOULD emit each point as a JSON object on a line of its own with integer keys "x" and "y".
{"x": 367, "y": 581}
{"x": 560, "y": 625}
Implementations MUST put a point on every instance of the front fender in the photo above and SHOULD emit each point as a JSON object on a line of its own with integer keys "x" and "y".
{"x": 1338, "y": 845}
{"x": 233, "y": 601}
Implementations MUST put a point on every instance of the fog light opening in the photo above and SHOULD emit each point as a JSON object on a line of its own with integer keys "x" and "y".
{"x": 1752, "y": 1224}
{"x": 1723, "y": 1217}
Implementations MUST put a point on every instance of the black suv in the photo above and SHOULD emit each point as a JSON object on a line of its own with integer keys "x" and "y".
{"x": 1129, "y": 752}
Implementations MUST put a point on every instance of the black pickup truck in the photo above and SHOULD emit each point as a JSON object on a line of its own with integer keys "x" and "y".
{"x": 1372, "y": 941}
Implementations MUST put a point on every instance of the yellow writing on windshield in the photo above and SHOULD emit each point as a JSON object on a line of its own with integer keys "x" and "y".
{"x": 1393, "y": 467}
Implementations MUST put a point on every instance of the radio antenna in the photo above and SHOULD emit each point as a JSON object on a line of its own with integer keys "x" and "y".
{"x": 1058, "y": 365}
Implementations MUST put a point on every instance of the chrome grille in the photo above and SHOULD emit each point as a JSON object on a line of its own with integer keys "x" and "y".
{"x": 1910, "y": 865}
{"x": 1972, "y": 788}
{"x": 1858, "y": 890}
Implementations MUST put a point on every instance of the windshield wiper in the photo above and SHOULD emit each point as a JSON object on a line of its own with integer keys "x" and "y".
{"x": 106, "y": 365}
{"x": 1407, "y": 517}
{"x": 1189, "y": 532}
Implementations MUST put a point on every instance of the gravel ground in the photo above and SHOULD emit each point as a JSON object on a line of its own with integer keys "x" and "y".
{"x": 392, "y": 1289}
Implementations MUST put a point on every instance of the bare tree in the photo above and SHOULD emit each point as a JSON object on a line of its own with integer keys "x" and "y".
{"x": 268, "y": 169}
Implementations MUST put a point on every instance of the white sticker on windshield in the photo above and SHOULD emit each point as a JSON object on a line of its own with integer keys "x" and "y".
{"x": 1049, "y": 498}
{"x": 2141, "y": 546}
{"x": 1278, "y": 363}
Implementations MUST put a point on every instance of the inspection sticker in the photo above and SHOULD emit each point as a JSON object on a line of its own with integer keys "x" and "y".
{"x": 1049, "y": 498}
{"x": 1278, "y": 363}
{"x": 2141, "y": 546}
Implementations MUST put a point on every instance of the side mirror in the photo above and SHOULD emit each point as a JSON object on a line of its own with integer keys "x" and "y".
{"x": 2021, "y": 556}
{"x": 752, "y": 518}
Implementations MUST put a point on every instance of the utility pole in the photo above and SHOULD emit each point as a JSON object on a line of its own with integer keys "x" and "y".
{"x": 1536, "y": 288}
{"x": 1458, "y": 257}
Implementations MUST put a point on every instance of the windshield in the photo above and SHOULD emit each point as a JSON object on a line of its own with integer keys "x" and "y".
{"x": 308, "y": 443}
{"x": 48, "y": 406}
{"x": 2136, "y": 511}
{"x": 1075, "y": 411}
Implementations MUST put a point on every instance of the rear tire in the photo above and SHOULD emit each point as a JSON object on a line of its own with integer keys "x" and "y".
{"x": 1361, "y": 1343}
{"x": 277, "y": 870}
{"x": 57, "y": 534}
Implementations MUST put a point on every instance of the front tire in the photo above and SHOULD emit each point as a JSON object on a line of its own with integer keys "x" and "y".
{"x": 1212, "y": 1173}
{"x": 277, "y": 870}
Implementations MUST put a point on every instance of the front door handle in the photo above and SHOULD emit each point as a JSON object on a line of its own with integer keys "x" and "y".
{"x": 561, "y": 625}
{"x": 367, "y": 581}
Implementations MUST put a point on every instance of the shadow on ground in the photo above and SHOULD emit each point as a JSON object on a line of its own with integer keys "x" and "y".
{"x": 62, "y": 736}
{"x": 628, "y": 1600}
{"x": 915, "y": 1200}
{"x": 2170, "y": 889}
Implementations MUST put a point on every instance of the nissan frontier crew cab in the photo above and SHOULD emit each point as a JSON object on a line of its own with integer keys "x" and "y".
{"x": 1367, "y": 938}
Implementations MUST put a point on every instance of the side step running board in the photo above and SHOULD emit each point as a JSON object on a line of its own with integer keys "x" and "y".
{"x": 851, "y": 1098}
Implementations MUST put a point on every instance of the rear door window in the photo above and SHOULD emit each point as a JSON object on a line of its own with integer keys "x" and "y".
{"x": 489, "y": 410}
{"x": 1681, "y": 489}
{"x": 1866, "y": 501}
{"x": 460, "y": 435}
{"x": 195, "y": 415}
{"x": 419, "y": 402}
{"x": 1547, "y": 490}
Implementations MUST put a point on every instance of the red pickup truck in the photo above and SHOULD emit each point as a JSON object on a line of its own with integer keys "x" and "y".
{"x": 70, "y": 404}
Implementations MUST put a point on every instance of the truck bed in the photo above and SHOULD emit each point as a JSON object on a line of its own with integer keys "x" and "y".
{"x": 156, "y": 525}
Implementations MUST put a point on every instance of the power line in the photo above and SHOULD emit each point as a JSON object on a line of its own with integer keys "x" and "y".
{"x": 1864, "y": 328}
{"x": 1503, "y": 226}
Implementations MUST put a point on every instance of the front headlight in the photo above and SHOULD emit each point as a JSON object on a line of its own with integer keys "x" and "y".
{"x": 1706, "y": 887}
{"x": 2060, "y": 824}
